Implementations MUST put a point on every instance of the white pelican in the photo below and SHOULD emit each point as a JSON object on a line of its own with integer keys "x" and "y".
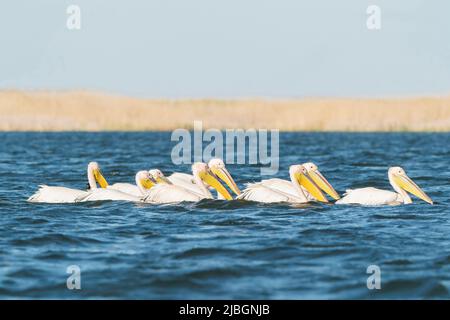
{"x": 217, "y": 166}
{"x": 49, "y": 194}
{"x": 159, "y": 177}
{"x": 263, "y": 192}
{"x": 135, "y": 189}
{"x": 143, "y": 182}
{"x": 286, "y": 186}
{"x": 376, "y": 197}
{"x": 172, "y": 193}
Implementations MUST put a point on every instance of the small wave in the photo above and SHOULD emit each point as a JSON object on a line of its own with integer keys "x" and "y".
{"x": 215, "y": 273}
{"x": 51, "y": 255}
{"x": 233, "y": 221}
{"x": 31, "y": 220}
{"x": 149, "y": 234}
{"x": 55, "y": 238}
{"x": 199, "y": 252}
{"x": 400, "y": 216}
{"x": 398, "y": 262}
{"x": 415, "y": 288}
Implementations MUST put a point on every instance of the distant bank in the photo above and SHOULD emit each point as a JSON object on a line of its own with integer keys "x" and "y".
{"x": 89, "y": 111}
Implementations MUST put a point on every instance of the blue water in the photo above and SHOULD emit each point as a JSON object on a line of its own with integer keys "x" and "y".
{"x": 217, "y": 249}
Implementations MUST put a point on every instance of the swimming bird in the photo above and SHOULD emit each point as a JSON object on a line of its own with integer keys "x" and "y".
{"x": 287, "y": 187}
{"x": 172, "y": 193}
{"x": 264, "y": 192}
{"x": 143, "y": 182}
{"x": 217, "y": 166}
{"x": 158, "y": 176}
{"x": 134, "y": 189}
{"x": 401, "y": 183}
{"x": 53, "y": 194}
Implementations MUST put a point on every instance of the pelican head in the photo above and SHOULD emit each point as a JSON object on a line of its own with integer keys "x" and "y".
{"x": 400, "y": 181}
{"x": 320, "y": 180}
{"x": 95, "y": 175}
{"x": 144, "y": 180}
{"x": 217, "y": 166}
{"x": 201, "y": 170}
{"x": 158, "y": 176}
{"x": 300, "y": 173}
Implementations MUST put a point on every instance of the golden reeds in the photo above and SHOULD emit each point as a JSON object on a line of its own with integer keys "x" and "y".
{"x": 88, "y": 111}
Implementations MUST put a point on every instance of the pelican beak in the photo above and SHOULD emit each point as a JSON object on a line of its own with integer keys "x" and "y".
{"x": 312, "y": 188}
{"x": 225, "y": 176}
{"x": 100, "y": 179}
{"x": 210, "y": 180}
{"x": 407, "y": 184}
{"x": 323, "y": 184}
{"x": 163, "y": 180}
{"x": 148, "y": 183}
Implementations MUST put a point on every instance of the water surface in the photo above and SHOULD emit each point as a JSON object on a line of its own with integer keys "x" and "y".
{"x": 217, "y": 249}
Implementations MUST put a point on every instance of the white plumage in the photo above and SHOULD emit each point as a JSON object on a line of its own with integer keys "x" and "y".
{"x": 285, "y": 187}
{"x": 107, "y": 195}
{"x": 126, "y": 188}
{"x": 46, "y": 194}
{"x": 185, "y": 181}
{"x": 169, "y": 193}
{"x": 172, "y": 193}
{"x": 56, "y": 194}
{"x": 269, "y": 193}
{"x": 399, "y": 181}
{"x": 217, "y": 166}
{"x": 50, "y": 194}
{"x": 278, "y": 190}
{"x": 143, "y": 183}
{"x": 370, "y": 197}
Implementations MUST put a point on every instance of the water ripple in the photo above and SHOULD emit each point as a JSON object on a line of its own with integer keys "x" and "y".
{"x": 222, "y": 249}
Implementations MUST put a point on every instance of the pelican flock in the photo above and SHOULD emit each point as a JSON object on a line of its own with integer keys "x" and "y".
{"x": 303, "y": 187}
{"x": 202, "y": 179}
{"x": 306, "y": 184}
{"x": 277, "y": 190}
{"x": 143, "y": 183}
{"x": 217, "y": 166}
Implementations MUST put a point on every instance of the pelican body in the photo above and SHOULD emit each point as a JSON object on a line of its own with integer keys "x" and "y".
{"x": 143, "y": 183}
{"x": 287, "y": 187}
{"x": 399, "y": 181}
{"x": 217, "y": 166}
{"x": 53, "y": 194}
{"x": 172, "y": 193}
{"x": 274, "y": 190}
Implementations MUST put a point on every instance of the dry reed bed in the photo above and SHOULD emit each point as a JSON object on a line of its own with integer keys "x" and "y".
{"x": 88, "y": 111}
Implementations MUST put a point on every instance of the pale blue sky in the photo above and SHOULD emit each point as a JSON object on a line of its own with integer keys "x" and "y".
{"x": 228, "y": 48}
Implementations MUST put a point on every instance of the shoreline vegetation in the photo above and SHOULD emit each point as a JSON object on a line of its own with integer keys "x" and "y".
{"x": 92, "y": 111}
